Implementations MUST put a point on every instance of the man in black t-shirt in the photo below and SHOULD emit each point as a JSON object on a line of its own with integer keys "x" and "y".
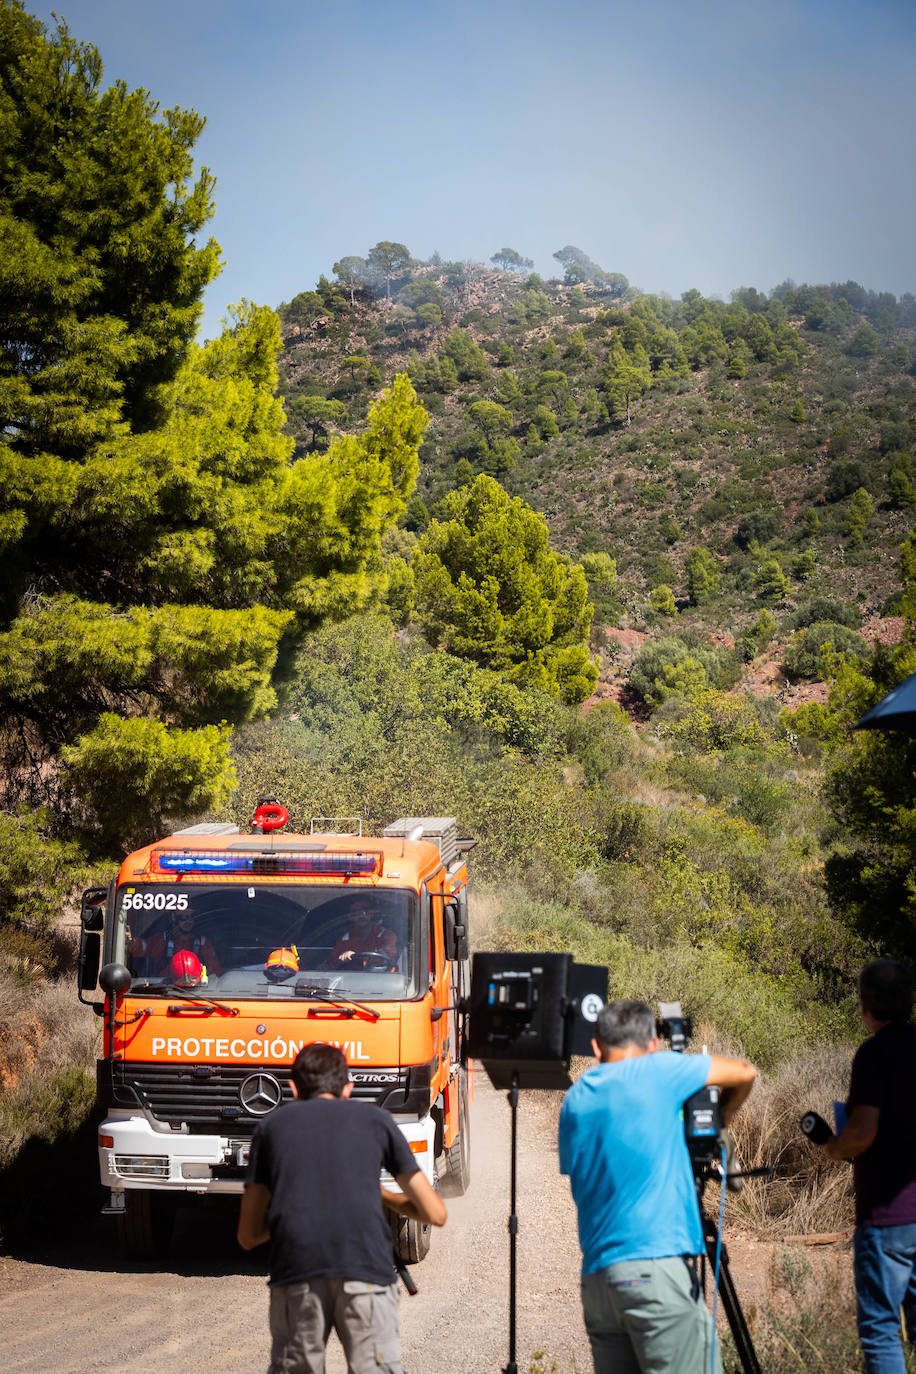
{"x": 313, "y": 1191}
{"x": 880, "y": 1138}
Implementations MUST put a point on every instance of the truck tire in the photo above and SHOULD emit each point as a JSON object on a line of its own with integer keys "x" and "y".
{"x": 145, "y": 1227}
{"x": 458, "y": 1155}
{"x": 411, "y": 1239}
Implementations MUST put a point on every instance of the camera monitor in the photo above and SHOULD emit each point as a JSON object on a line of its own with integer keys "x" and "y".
{"x": 529, "y": 1013}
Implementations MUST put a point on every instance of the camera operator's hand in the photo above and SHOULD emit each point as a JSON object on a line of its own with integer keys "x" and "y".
{"x": 815, "y": 1128}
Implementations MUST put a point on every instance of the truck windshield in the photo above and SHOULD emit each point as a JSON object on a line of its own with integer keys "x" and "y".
{"x": 266, "y": 940}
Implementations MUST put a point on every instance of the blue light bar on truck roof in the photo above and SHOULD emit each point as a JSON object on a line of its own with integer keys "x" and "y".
{"x": 218, "y": 861}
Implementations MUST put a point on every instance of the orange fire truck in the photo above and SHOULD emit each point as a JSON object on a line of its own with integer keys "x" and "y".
{"x": 220, "y": 954}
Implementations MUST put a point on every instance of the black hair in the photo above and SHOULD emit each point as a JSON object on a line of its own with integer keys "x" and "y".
{"x": 886, "y": 989}
{"x": 320, "y": 1069}
{"x": 625, "y": 1023}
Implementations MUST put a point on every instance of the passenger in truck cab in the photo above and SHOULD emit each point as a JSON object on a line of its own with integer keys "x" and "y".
{"x": 157, "y": 950}
{"x": 363, "y": 937}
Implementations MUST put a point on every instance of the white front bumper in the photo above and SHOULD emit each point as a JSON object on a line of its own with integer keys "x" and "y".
{"x": 142, "y": 1157}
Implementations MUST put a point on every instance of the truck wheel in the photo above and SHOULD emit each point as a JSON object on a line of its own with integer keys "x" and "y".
{"x": 145, "y": 1227}
{"x": 411, "y": 1239}
{"x": 458, "y": 1155}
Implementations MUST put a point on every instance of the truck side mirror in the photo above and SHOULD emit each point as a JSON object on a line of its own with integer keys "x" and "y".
{"x": 92, "y": 920}
{"x": 457, "y": 946}
{"x": 89, "y": 959}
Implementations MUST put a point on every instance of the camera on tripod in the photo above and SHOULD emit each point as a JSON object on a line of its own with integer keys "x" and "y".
{"x": 703, "y": 1124}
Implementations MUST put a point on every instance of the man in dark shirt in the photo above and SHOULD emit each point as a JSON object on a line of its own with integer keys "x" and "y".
{"x": 880, "y": 1138}
{"x": 313, "y": 1191}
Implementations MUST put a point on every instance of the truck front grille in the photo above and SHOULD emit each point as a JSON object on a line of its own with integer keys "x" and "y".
{"x": 206, "y": 1097}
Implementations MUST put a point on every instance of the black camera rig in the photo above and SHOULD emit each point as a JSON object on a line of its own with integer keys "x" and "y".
{"x": 703, "y": 1126}
{"x": 709, "y": 1147}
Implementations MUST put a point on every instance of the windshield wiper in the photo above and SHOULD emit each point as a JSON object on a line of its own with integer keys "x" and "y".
{"x": 345, "y": 1004}
{"x": 203, "y": 1003}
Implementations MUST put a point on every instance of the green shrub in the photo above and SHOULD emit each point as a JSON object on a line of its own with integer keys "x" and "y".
{"x": 126, "y": 777}
{"x": 677, "y": 665}
{"x": 805, "y": 653}
{"x": 826, "y": 608}
{"x": 767, "y": 1018}
{"x": 37, "y": 872}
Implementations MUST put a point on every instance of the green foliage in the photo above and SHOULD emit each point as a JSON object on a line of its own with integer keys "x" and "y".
{"x": 489, "y": 588}
{"x": 466, "y": 356}
{"x": 830, "y": 608}
{"x": 317, "y": 415}
{"x": 764, "y": 1016}
{"x": 672, "y": 666}
{"x": 125, "y": 778}
{"x": 37, "y": 872}
{"x": 812, "y": 651}
{"x": 714, "y": 720}
{"x": 352, "y": 271}
{"x": 844, "y": 477}
{"x": 602, "y": 739}
{"x": 757, "y": 637}
{"x": 703, "y": 579}
{"x": 871, "y": 872}
{"x": 491, "y": 419}
{"x": 387, "y": 260}
{"x": 601, "y": 572}
{"x": 757, "y": 526}
{"x": 508, "y": 260}
{"x": 813, "y": 720}
{"x": 59, "y": 667}
{"x": 900, "y": 487}
{"x": 661, "y": 599}
{"x": 99, "y": 225}
{"x": 864, "y": 343}
{"x": 670, "y": 530}
{"x": 627, "y": 377}
{"x": 861, "y": 510}
{"x": 771, "y": 581}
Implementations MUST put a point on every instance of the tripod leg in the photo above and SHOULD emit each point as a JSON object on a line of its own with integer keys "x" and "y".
{"x": 728, "y": 1293}
{"x": 512, "y": 1366}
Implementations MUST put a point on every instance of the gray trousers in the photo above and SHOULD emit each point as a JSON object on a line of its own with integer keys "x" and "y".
{"x": 646, "y": 1317}
{"x": 364, "y": 1315}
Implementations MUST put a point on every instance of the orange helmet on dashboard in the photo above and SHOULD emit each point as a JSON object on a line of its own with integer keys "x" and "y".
{"x": 186, "y": 969}
{"x": 282, "y": 963}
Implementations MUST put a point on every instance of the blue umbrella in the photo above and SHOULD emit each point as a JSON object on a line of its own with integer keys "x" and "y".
{"x": 896, "y": 711}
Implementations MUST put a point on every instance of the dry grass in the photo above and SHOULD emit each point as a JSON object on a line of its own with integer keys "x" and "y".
{"x": 48, "y": 1045}
{"x": 808, "y": 1322}
{"x": 807, "y": 1194}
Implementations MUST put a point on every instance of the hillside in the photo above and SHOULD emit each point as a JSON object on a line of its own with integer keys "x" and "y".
{"x": 775, "y": 432}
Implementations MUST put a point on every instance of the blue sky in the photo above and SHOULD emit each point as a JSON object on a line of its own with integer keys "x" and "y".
{"x": 685, "y": 143}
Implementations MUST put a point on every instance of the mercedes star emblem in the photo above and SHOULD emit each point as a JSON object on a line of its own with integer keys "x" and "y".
{"x": 260, "y": 1093}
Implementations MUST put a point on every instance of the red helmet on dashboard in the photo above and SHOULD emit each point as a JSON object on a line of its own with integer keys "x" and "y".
{"x": 186, "y": 969}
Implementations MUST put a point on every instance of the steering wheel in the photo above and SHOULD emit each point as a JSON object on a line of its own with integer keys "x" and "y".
{"x": 371, "y": 959}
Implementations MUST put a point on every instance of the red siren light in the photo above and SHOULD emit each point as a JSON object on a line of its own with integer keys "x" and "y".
{"x": 269, "y": 815}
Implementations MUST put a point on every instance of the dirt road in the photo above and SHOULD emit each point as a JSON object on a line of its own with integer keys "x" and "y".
{"x": 80, "y": 1309}
{"x": 77, "y": 1308}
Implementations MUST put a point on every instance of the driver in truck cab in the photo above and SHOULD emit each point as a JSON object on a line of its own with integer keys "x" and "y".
{"x": 159, "y": 948}
{"x": 365, "y": 935}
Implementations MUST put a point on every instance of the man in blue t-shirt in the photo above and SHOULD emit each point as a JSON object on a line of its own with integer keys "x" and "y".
{"x": 622, "y": 1145}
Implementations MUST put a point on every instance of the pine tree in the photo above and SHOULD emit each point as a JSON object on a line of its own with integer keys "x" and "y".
{"x": 159, "y": 543}
{"x": 490, "y": 588}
